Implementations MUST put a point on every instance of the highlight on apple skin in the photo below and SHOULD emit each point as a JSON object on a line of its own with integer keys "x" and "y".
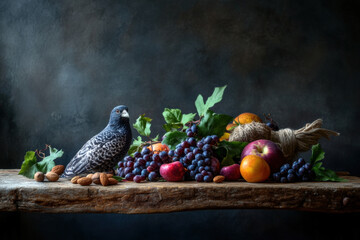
{"x": 172, "y": 172}
{"x": 267, "y": 150}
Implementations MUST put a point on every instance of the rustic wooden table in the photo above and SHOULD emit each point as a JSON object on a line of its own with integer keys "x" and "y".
{"x": 18, "y": 193}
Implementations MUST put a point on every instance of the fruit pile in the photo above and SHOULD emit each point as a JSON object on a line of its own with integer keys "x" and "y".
{"x": 191, "y": 150}
{"x": 195, "y": 157}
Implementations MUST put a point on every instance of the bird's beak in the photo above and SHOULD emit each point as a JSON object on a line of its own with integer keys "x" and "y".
{"x": 124, "y": 114}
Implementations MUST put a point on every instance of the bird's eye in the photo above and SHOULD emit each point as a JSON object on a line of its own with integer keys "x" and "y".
{"x": 117, "y": 111}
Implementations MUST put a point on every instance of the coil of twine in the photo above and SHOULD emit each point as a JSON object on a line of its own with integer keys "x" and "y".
{"x": 290, "y": 141}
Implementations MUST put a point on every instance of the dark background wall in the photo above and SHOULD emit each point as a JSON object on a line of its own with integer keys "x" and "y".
{"x": 65, "y": 64}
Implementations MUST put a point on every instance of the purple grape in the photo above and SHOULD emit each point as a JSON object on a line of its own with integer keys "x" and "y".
{"x": 198, "y": 156}
{"x": 283, "y": 180}
{"x": 163, "y": 155}
{"x": 137, "y": 155}
{"x": 179, "y": 151}
{"x": 129, "y": 176}
{"x": 171, "y": 153}
{"x": 138, "y": 178}
{"x": 187, "y": 150}
{"x": 204, "y": 173}
{"x": 301, "y": 171}
{"x": 291, "y": 177}
{"x": 301, "y": 161}
{"x": 215, "y": 138}
{"x": 191, "y": 167}
{"x": 128, "y": 158}
{"x": 207, "y": 161}
{"x": 194, "y": 128}
{"x": 295, "y": 166}
{"x": 120, "y": 164}
{"x": 206, "y": 154}
{"x": 277, "y": 177}
{"x": 201, "y": 163}
{"x": 136, "y": 171}
{"x": 192, "y": 141}
{"x": 208, "y": 178}
{"x": 199, "y": 177}
{"x": 144, "y": 172}
{"x": 190, "y": 156}
{"x": 127, "y": 170}
{"x": 208, "y": 139}
{"x": 185, "y": 144}
{"x": 307, "y": 166}
{"x": 196, "y": 151}
{"x": 190, "y": 134}
{"x": 152, "y": 176}
{"x": 200, "y": 145}
{"x": 206, "y": 147}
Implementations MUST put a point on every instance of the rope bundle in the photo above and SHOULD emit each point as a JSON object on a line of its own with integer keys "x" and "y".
{"x": 290, "y": 141}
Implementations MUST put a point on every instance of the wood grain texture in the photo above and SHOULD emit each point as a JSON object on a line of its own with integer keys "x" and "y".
{"x": 18, "y": 193}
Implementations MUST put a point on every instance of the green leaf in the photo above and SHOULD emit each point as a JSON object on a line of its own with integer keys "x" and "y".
{"x": 317, "y": 154}
{"x": 155, "y": 138}
{"x": 174, "y": 138}
{"x": 172, "y": 115}
{"x": 142, "y": 125}
{"x": 187, "y": 118}
{"x": 28, "y": 167}
{"x": 213, "y": 124}
{"x": 135, "y": 145}
{"x": 119, "y": 179}
{"x": 229, "y": 150}
{"x": 172, "y": 126}
{"x": 322, "y": 174}
{"x": 216, "y": 97}
{"x": 235, "y": 148}
{"x": 227, "y": 160}
{"x": 48, "y": 163}
{"x": 200, "y": 105}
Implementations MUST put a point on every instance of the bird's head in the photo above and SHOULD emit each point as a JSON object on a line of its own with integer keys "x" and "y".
{"x": 118, "y": 116}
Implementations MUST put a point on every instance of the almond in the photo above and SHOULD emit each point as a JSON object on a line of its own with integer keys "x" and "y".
{"x": 84, "y": 181}
{"x": 219, "y": 179}
{"x": 96, "y": 178}
{"x": 89, "y": 175}
{"x": 74, "y": 179}
{"x": 112, "y": 181}
{"x": 52, "y": 177}
{"x": 39, "y": 176}
{"x": 109, "y": 175}
{"x": 58, "y": 169}
{"x": 104, "y": 179}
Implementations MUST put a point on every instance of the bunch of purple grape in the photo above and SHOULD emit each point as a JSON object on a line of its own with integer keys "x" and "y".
{"x": 299, "y": 171}
{"x": 144, "y": 165}
{"x": 196, "y": 156}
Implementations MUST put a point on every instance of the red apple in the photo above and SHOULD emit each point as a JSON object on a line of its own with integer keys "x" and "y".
{"x": 267, "y": 150}
{"x": 231, "y": 172}
{"x": 172, "y": 172}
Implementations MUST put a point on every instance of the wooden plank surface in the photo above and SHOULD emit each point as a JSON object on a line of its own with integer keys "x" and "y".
{"x": 18, "y": 193}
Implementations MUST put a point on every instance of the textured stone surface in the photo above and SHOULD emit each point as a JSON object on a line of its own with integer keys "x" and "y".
{"x": 18, "y": 193}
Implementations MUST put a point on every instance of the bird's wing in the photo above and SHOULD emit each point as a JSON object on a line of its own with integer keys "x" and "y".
{"x": 82, "y": 161}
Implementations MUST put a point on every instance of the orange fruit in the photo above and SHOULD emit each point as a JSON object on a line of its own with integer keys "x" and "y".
{"x": 158, "y": 147}
{"x": 225, "y": 137}
{"x": 230, "y": 126}
{"x": 254, "y": 169}
{"x": 245, "y": 118}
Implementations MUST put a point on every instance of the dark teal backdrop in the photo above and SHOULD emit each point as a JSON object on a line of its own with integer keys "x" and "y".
{"x": 65, "y": 64}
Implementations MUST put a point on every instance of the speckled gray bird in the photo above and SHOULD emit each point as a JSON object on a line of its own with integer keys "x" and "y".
{"x": 104, "y": 150}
